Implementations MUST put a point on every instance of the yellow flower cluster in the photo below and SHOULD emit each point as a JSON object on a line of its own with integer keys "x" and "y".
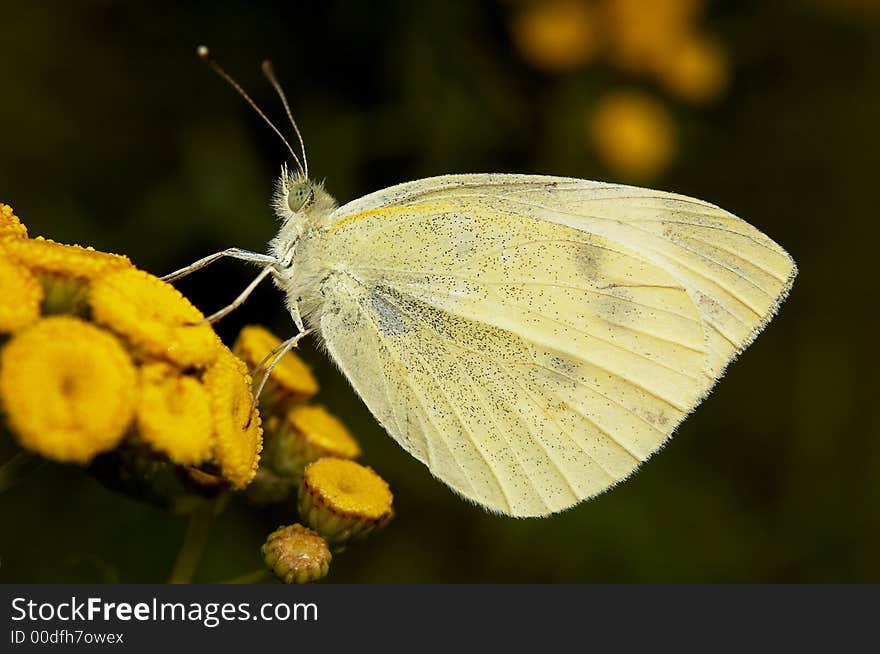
{"x": 308, "y": 451}
{"x": 661, "y": 40}
{"x": 98, "y": 355}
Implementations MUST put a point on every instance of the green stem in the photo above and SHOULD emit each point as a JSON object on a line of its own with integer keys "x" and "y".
{"x": 14, "y": 468}
{"x": 253, "y": 577}
{"x": 200, "y": 520}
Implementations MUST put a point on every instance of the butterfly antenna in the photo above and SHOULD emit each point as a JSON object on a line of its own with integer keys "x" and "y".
{"x": 269, "y": 72}
{"x": 205, "y": 55}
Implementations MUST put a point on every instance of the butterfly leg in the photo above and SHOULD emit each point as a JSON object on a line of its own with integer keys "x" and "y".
{"x": 273, "y": 358}
{"x": 233, "y": 253}
{"x": 237, "y": 302}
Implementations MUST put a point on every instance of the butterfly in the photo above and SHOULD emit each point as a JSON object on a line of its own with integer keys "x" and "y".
{"x": 531, "y": 339}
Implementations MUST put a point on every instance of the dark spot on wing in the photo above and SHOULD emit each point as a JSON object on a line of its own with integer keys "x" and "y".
{"x": 388, "y": 317}
{"x": 588, "y": 261}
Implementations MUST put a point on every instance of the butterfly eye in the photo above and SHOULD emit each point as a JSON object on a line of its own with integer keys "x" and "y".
{"x": 300, "y": 197}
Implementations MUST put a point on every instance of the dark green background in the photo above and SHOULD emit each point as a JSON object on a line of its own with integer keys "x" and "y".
{"x": 113, "y": 134}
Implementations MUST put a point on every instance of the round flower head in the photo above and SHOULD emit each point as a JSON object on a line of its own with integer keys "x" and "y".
{"x": 306, "y": 434}
{"x": 296, "y": 554}
{"x": 10, "y": 225}
{"x": 174, "y": 414}
{"x": 237, "y": 433}
{"x": 64, "y": 270}
{"x": 291, "y": 380}
{"x": 154, "y": 317}
{"x": 20, "y": 296}
{"x": 67, "y": 388}
{"x": 343, "y": 500}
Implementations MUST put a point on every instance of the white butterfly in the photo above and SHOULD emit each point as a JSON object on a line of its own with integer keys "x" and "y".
{"x": 531, "y": 339}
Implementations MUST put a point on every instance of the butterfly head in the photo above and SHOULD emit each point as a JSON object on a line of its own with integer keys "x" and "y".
{"x": 300, "y": 200}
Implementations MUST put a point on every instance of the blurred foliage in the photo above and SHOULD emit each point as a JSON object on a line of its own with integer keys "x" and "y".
{"x": 113, "y": 134}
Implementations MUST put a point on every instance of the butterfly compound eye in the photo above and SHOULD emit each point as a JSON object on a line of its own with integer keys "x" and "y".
{"x": 299, "y": 197}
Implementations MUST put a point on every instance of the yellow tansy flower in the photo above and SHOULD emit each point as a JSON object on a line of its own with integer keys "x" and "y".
{"x": 291, "y": 380}
{"x": 555, "y": 35}
{"x": 67, "y": 388}
{"x": 154, "y": 316}
{"x": 20, "y": 296}
{"x": 296, "y": 554}
{"x": 306, "y": 434}
{"x": 10, "y": 225}
{"x": 43, "y": 256}
{"x": 633, "y": 134}
{"x": 695, "y": 69}
{"x": 343, "y": 500}
{"x": 174, "y": 414}
{"x": 63, "y": 270}
{"x": 237, "y": 432}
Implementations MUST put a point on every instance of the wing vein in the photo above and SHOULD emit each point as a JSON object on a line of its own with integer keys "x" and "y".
{"x": 561, "y": 323}
{"x": 594, "y": 291}
{"x": 419, "y": 397}
{"x": 676, "y": 259}
{"x": 517, "y": 382}
{"x": 715, "y": 227}
{"x": 593, "y": 389}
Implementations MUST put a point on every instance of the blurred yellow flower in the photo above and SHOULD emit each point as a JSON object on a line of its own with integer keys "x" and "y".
{"x": 633, "y": 134}
{"x": 642, "y": 32}
{"x": 67, "y": 389}
{"x": 10, "y": 225}
{"x": 555, "y": 34}
{"x": 343, "y": 500}
{"x": 21, "y": 295}
{"x": 154, "y": 316}
{"x": 174, "y": 414}
{"x": 291, "y": 380}
{"x": 237, "y": 432}
{"x": 296, "y": 554}
{"x": 695, "y": 69}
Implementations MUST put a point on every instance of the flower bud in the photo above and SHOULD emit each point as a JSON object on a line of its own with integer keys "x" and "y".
{"x": 296, "y": 554}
